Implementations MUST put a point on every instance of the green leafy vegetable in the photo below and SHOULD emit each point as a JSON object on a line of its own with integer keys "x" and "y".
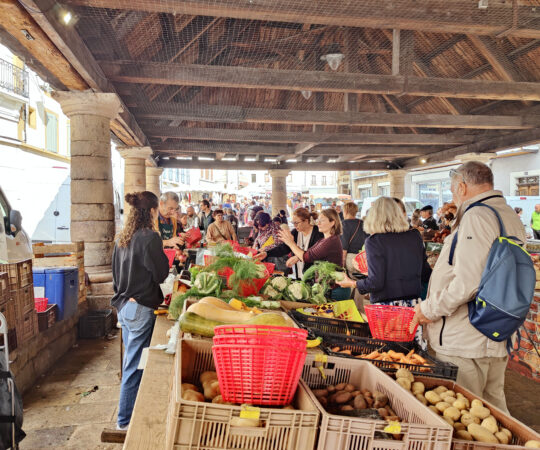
{"x": 208, "y": 283}
{"x": 324, "y": 274}
{"x": 271, "y": 292}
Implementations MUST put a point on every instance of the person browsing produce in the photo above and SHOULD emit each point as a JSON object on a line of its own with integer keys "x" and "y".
{"x": 353, "y": 236}
{"x": 305, "y": 235}
{"x": 139, "y": 265}
{"x": 220, "y": 230}
{"x": 166, "y": 222}
{"x": 268, "y": 232}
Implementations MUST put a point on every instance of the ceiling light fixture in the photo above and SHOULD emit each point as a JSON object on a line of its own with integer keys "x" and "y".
{"x": 184, "y": 158}
{"x": 423, "y": 160}
{"x": 291, "y": 160}
{"x": 272, "y": 160}
{"x": 229, "y": 158}
{"x": 250, "y": 159}
{"x": 333, "y": 160}
{"x": 333, "y": 57}
{"x": 66, "y": 17}
{"x": 306, "y": 94}
{"x": 205, "y": 158}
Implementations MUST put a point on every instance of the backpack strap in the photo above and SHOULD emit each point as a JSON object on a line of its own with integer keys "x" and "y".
{"x": 502, "y": 230}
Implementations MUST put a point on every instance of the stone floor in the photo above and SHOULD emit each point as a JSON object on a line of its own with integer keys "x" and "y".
{"x": 70, "y": 406}
{"x": 60, "y": 412}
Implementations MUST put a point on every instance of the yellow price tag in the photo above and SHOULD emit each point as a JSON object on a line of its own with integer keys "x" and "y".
{"x": 249, "y": 412}
{"x": 393, "y": 427}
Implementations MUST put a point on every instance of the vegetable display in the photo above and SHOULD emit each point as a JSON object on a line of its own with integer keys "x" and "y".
{"x": 324, "y": 275}
{"x": 297, "y": 291}
{"x": 207, "y": 283}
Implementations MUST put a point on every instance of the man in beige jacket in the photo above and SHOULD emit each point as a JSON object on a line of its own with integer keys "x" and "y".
{"x": 481, "y": 361}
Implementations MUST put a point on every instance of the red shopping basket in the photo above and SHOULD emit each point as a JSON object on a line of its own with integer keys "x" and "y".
{"x": 390, "y": 323}
{"x": 41, "y": 303}
{"x": 171, "y": 253}
{"x": 258, "y": 369}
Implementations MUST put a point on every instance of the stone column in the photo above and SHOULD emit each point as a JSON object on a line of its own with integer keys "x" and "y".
{"x": 152, "y": 180}
{"x": 279, "y": 190}
{"x": 92, "y": 203}
{"x": 134, "y": 171}
{"x": 397, "y": 183}
{"x": 485, "y": 158}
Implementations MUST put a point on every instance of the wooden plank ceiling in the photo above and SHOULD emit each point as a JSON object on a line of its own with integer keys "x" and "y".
{"x": 235, "y": 84}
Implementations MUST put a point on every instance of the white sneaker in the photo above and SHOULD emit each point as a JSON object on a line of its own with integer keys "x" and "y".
{"x": 122, "y": 428}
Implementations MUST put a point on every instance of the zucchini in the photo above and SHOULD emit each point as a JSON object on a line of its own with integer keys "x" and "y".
{"x": 195, "y": 324}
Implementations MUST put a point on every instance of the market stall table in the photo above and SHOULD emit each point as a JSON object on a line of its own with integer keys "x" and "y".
{"x": 147, "y": 427}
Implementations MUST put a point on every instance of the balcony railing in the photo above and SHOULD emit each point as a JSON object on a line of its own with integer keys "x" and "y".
{"x": 13, "y": 78}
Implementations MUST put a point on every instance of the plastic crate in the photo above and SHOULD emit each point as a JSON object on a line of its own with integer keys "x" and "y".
{"x": 420, "y": 427}
{"x": 96, "y": 324}
{"x": 46, "y": 319}
{"x": 24, "y": 300}
{"x": 358, "y": 346}
{"x": 381, "y": 316}
{"x": 201, "y": 425}
{"x": 336, "y": 326}
{"x": 520, "y": 433}
{"x": 26, "y": 327}
{"x": 61, "y": 285}
{"x": 19, "y": 274}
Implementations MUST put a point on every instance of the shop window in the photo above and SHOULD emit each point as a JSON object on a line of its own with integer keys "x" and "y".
{"x": 313, "y": 180}
{"x": 429, "y": 194}
{"x": 323, "y": 180}
{"x": 51, "y": 131}
{"x": 32, "y": 117}
{"x": 527, "y": 185}
{"x": 365, "y": 193}
{"x": 384, "y": 190}
{"x": 176, "y": 175}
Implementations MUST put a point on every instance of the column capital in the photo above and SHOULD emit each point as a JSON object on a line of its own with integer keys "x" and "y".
{"x": 481, "y": 157}
{"x": 88, "y": 102}
{"x": 279, "y": 172}
{"x": 154, "y": 171}
{"x": 135, "y": 152}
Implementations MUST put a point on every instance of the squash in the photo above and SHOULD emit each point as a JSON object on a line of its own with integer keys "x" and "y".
{"x": 211, "y": 312}
{"x": 271, "y": 318}
{"x": 195, "y": 324}
{"x": 217, "y": 302}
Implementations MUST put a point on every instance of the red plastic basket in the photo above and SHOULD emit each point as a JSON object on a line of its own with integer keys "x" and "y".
{"x": 41, "y": 303}
{"x": 258, "y": 369}
{"x": 390, "y": 323}
{"x": 271, "y": 267}
{"x": 171, "y": 253}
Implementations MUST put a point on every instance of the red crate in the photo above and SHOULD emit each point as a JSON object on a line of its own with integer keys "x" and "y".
{"x": 40, "y": 303}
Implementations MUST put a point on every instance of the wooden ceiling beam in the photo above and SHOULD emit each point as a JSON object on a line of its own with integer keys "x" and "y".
{"x": 238, "y": 114}
{"x": 316, "y": 81}
{"x": 439, "y": 16}
{"x": 238, "y": 148}
{"x": 214, "y": 134}
{"x": 517, "y": 139}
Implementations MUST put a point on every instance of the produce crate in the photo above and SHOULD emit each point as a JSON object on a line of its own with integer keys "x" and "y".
{"x": 8, "y": 310}
{"x": 62, "y": 255}
{"x": 438, "y": 369}
{"x": 4, "y": 287}
{"x": 201, "y": 425}
{"x": 27, "y": 327}
{"x": 335, "y": 326}
{"x": 24, "y": 300}
{"x": 46, "y": 319}
{"x": 20, "y": 274}
{"x": 520, "y": 432}
{"x": 96, "y": 324}
{"x": 420, "y": 428}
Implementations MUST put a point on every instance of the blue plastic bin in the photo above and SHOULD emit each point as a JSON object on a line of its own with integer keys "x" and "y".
{"x": 61, "y": 287}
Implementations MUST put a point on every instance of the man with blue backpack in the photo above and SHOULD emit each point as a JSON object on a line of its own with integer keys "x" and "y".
{"x": 481, "y": 287}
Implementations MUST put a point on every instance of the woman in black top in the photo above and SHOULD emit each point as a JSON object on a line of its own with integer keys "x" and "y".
{"x": 353, "y": 236}
{"x": 139, "y": 266}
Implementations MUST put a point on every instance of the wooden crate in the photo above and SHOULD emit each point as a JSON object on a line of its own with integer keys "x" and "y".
{"x": 4, "y": 287}
{"x": 19, "y": 274}
{"x": 23, "y": 299}
{"x": 27, "y": 327}
{"x": 62, "y": 255}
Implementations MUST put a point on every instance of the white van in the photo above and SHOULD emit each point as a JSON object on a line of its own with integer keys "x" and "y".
{"x": 410, "y": 205}
{"x": 15, "y": 245}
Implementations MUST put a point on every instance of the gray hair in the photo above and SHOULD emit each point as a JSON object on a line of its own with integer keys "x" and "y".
{"x": 475, "y": 173}
{"x": 169, "y": 196}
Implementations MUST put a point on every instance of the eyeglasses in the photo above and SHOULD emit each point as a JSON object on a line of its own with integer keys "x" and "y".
{"x": 298, "y": 223}
{"x": 454, "y": 172}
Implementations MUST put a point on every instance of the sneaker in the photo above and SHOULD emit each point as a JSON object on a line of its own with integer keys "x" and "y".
{"x": 122, "y": 428}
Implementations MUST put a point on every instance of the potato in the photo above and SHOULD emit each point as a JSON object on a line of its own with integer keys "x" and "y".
{"x": 480, "y": 412}
{"x": 405, "y": 383}
{"x": 418, "y": 387}
{"x": 532, "y": 444}
{"x": 459, "y": 404}
{"x": 323, "y": 401}
{"x": 289, "y": 407}
{"x": 239, "y": 422}
{"x": 219, "y": 400}
{"x": 346, "y": 408}
{"x": 320, "y": 392}
{"x": 421, "y": 398}
{"x": 435, "y": 410}
{"x": 440, "y": 389}
{"x": 207, "y": 376}
{"x": 355, "y": 393}
{"x": 381, "y": 400}
{"x": 449, "y": 420}
{"x": 192, "y": 396}
{"x": 432, "y": 397}
{"x": 465, "y": 399}
{"x": 342, "y": 397}
{"x": 476, "y": 402}
{"x": 211, "y": 390}
{"x": 441, "y": 406}
{"x": 349, "y": 388}
{"x": 459, "y": 426}
{"x": 467, "y": 419}
{"x": 448, "y": 393}
{"x": 383, "y": 412}
{"x": 405, "y": 373}
{"x": 481, "y": 434}
{"x": 452, "y": 412}
{"x": 341, "y": 386}
{"x": 491, "y": 424}
{"x": 331, "y": 388}
{"x": 189, "y": 386}
{"x": 360, "y": 402}
{"x": 369, "y": 401}
{"x": 449, "y": 400}
{"x": 502, "y": 437}
{"x": 464, "y": 434}
{"x": 507, "y": 431}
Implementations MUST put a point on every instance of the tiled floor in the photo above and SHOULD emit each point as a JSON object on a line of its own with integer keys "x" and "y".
{"x": 60, "y": 412}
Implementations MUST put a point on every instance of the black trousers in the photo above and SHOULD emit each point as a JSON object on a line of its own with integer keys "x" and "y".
{"x": 536, "y": 234}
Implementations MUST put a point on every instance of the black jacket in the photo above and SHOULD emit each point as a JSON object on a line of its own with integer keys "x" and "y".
{"x": 283, "y": 249}
{"x": 138, "y": 270}
{"x": 397, "y": 266}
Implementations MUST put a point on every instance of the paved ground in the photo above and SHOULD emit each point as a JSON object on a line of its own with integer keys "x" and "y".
{"x": 60, "y": 412}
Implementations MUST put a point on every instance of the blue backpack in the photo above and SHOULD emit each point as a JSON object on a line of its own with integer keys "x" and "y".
{"x": 506, "y": 289}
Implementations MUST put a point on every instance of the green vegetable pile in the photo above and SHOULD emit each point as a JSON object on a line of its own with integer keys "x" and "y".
{"x": 323, "y": 276}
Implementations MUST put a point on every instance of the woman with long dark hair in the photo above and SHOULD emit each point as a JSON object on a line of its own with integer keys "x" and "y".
{"x": 139, "y": 265}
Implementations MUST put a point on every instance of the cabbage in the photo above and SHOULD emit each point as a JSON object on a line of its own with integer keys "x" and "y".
{"x": 272, "y": 293}
{"x": 280, "y": 283}
{"x": 298, "y": 290}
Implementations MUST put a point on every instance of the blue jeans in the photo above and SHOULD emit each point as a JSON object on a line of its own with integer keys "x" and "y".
{"x": 137, "y": 325}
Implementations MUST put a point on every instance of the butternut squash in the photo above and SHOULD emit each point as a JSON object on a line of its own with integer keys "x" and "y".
{"x": 211, "y": 312}
{"x": 217, "y": 302}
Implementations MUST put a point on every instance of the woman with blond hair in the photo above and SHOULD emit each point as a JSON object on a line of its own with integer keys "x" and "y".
{"x": 397, "y": 263}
